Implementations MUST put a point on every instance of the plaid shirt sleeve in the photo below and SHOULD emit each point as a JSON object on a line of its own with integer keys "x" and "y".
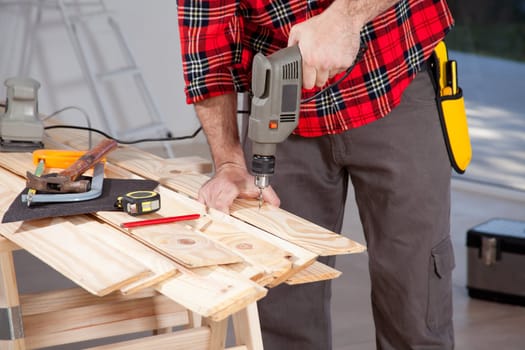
{"x": 210, "y": 46}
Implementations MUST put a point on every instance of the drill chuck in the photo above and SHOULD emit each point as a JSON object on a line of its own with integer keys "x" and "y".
{"x": 262, "y": 167}
{"x": 262, "y": 181}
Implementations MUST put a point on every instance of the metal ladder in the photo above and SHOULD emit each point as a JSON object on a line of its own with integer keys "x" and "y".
{"x": 77, "y": 21}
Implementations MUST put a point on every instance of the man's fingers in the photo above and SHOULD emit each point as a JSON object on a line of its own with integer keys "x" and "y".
{"x": 217, "y": 194}
{"x": 309, "y": 76}
{"x": 292, "y": 39}
{"x": 271, "y": 197}
{"x": 321, "y": 77}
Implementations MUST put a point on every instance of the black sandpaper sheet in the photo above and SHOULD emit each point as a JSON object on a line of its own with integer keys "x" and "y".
{"x": 111, "y": 189}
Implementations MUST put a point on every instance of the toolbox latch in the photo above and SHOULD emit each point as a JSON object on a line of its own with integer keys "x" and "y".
{"x": 489, "y": 250}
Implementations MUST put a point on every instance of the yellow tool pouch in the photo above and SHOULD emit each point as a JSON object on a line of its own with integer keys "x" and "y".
{"x": 451, "y": 107}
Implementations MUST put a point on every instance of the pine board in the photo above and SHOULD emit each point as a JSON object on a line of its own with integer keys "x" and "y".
{"x": 274, "y": 220}
{"x": 160, "y": 266}
{"x": 176, "y": 240}
{"x": 187, "y": 290}
{"x": 170, "y": 172}
{"x": 101, "y": 320}
{"x": 80, "y": 255}
{"x": 215, "y": 290}
{"x": 203, "y": 252}
{"x": 193, "y": 338}
{"x": 313, "y": 273}
{"x": 271, "y": 219}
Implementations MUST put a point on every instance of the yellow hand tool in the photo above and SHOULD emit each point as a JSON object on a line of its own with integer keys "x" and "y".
{"x": 451, "y": 109}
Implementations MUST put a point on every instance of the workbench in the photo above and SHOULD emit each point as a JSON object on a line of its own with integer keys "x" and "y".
{"x": 180, "y": 281}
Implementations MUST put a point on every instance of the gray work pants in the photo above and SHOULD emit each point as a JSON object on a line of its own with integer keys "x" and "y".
{"x": 401, "y": 177}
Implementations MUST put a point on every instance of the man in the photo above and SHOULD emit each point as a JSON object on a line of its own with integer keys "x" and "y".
{"x": 379, "y": 127}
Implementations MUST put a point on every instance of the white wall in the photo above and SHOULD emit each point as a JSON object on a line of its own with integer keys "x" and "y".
{"x": 150, "y": 28}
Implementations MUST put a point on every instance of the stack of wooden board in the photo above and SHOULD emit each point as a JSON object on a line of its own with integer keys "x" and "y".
{"x": 214, "y": 266}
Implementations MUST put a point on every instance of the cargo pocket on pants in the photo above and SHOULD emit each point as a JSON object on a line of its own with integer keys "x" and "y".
{"x": 439, "y": 309}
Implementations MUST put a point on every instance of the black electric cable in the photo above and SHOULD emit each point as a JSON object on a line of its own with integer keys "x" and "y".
{"x": 170, "y": 138}
{"x": 160, "y": 139}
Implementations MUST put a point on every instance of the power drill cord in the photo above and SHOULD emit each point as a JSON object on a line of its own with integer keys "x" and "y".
{"x": 91, "y": 129}
{"x": 125, "y": 142}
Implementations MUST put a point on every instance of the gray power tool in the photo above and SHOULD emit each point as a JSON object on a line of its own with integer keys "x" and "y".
{"x": 20, "y": 128}
{"x": 276, "y": 88}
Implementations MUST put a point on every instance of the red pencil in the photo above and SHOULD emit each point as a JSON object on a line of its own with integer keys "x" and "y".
{"x": 157, "y": 221}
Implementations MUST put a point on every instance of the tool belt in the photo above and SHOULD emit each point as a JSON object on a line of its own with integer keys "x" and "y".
{"x": 451, "y": 107}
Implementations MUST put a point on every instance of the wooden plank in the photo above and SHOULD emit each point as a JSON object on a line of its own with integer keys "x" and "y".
{"x": 204, "y": 291}
{"x": 278, "y": 257}
{"x": 295, "y": 229}
{"x": 216, "y": 227}
{"x": 223, "y": 293}
{"x": 188, "y": 164}
{"x": 247, "y": 328}
{"x": 239, "y": 237}
{"x": 70, "y": 298}
{"x": 187, "y": 183}
{"x": 326, "y": 243}
{"x": 174, "y": 243}
{"x": 314, "y": 273}
{"x": 17, "y": 163}
{"x": 80, "y": 255}
{"x": 218, "y": 331}
{"x": 144, "y": 162}
{"x": 102, "y": 320}
{"x": 254, "y": 273}
{"x": 176, "y": 240}
{"x": 160, "y": 266}
{"x": 194, "y": 339}
{"x": 7, "y": 246}
{"x": 12, "y": 333}
{"x": 275, "y": 220}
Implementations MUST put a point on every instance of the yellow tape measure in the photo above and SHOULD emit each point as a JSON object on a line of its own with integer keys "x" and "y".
{"x": 139, "y": 202}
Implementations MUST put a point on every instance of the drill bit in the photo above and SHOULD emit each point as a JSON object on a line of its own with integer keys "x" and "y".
{"x": 260, "y": 198}
{"x": 31, "y": 192}
{"x": 261, "y": 182}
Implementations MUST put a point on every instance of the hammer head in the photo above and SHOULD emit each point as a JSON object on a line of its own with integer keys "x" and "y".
{"x": 54, "y": 183}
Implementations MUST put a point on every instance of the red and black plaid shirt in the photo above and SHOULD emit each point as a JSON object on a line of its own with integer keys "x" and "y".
{"x": 220, "y": 37}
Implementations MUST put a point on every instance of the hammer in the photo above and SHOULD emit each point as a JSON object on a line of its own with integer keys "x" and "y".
{"x": 66, "y": 180}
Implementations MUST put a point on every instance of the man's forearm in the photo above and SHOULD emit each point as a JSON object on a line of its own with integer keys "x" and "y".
{"x": 362, "y": 10}
{"x": 218, "y": 117}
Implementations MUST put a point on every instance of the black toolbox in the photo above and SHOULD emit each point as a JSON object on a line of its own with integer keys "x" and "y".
{"x": 496, "y": 261}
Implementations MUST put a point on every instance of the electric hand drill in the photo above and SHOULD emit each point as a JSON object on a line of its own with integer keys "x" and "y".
{"x": 275, "y": 105}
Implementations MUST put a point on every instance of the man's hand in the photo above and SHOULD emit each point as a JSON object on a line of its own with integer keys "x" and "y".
{"x": 329, "y": 42}
{"x": 229, "y": 182}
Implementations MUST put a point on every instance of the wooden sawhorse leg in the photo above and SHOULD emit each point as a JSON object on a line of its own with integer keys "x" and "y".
{"x": 246, "y": 329}
{"x": 11, "y": 327}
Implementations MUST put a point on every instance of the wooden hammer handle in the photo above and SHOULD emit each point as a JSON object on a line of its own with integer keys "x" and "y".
{"x": 89, "y": 159}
